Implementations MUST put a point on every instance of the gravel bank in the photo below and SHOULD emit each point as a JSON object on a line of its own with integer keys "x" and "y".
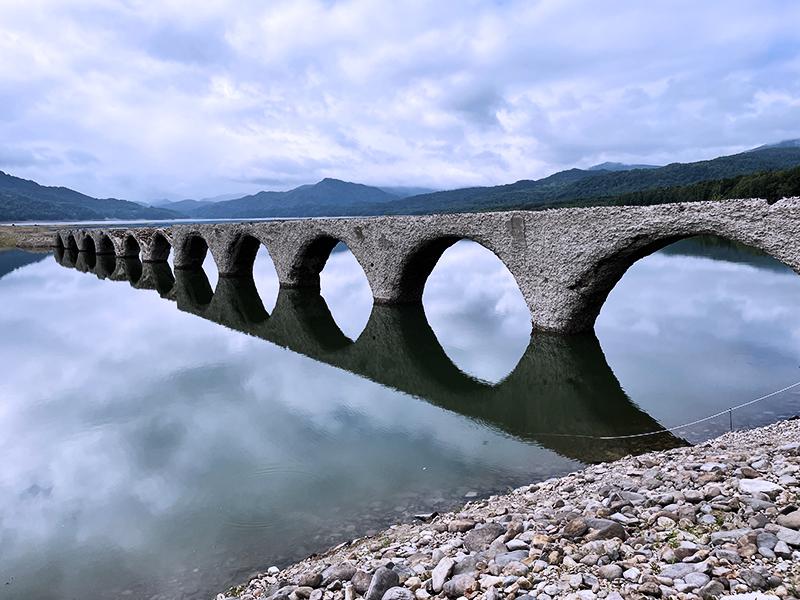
{"x": 718, "y": 519}
{"x": 33, "y": 237}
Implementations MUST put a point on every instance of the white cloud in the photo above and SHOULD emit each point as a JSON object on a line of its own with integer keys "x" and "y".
{"x": 180, "y": 99}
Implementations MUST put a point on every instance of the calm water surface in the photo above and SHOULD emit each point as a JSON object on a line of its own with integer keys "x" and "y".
{"x": 168, "y": 442}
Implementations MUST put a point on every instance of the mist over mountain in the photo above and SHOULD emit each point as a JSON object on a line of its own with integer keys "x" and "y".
{"x": 329, "y": 197}
{"x": 615, "y": 166}
{"x": 25, "y": 200}
{"x": 22, "y": 200}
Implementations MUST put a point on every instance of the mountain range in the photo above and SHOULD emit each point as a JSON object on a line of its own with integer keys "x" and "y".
{"x": 23, "y": 200}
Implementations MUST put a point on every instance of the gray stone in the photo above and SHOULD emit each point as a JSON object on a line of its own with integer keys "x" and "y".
{"x": 792, "y": 520}
{"x": 732, "y": 535}
{"x": 382, "y": 580}
{"x": 312, "y": 580}
{"x": 398, "y": 593}
{"x": 341, "y": 572}
{"x": 460, "y": 585}
{"x": 507, "y": 557}
{"x": 696, "y": 580}
{"x": 610, "y": 572}
{"x": 361, "y": 580}
{"x": 681, "y": 570}
{"x": 712, "y": 589}
{"x": 759, "y": 486}
{"x": 441, "y": 572}
{"x": 481, "y": 537}
{"x": 790, "y": 536}
{"x": 782, "y": 549}
{"x": 605, "y": 529}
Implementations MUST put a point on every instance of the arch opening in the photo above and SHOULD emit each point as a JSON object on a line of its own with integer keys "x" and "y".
{"x": 718, "y": 318}
{"x": 160, "y": 249}
{"x": 344, "y": 286}
{"x": 193, "y": 255}
{"x": 598, "y": 281}
{"x": 243, "y": 251}
{"x": 105, "y": 245}
{"x": 194, "y": 252}
{"x": 72, "y": 245}
{"x": 58, "y": 243}
{"x": 88, "y": 244}
{"x": 131, "y": 248}
{"x": 266, "y": 278}
{"x": 476, "y": 309}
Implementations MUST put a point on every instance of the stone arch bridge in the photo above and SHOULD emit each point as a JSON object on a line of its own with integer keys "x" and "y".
{"x": 565, "y": 261}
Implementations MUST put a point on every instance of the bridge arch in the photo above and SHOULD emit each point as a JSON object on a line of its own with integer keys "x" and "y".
{"x": 159, "y": 249}
{"x": 71, "y": 243}
{"x": 312, "y": 256}
{"x": 130, "y": 246}
{"x": 240, "y": 255}
{"x": 104, "y": 244}
{"x": 191, "y": 252}
{"x": 87, "y": 244}
{"x": 418, "y": 264}
{"x": 595, "y": 281}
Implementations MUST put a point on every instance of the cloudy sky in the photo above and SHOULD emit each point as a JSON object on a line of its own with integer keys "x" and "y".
{"x": 180, "y": 98}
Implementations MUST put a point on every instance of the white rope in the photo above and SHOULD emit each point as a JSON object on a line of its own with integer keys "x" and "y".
{"x": 677, "y": 427}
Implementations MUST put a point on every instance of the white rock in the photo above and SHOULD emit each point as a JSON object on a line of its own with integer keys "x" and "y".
{"x": 759, "y": 486}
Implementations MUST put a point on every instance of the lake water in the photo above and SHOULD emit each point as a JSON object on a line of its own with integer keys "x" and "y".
{"x": 169, "y": 442}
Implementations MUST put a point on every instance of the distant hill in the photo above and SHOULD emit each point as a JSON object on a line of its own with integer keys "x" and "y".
{"x": 615, "y": 166}
{"x": 329, "y": 197}
{"x": 22, "y": 200}
{"x": 25, "y": 200}
{"x": 577, "y": 186}
{"x": 783, "y": 144}
{"x": 406, "y": 191}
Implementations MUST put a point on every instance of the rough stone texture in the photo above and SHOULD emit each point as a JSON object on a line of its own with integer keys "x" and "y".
{"x": 565, "y": 261}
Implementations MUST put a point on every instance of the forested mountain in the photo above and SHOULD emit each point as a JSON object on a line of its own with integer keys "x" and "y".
{"x": 767, "y": 171}
{"x": 615, "y": 166}
{"x": 329, "y": 197}
{"x": 25, "y": 200}
{"x": 584, "y": 186}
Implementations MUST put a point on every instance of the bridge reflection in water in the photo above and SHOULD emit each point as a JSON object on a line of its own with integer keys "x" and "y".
{"x": 562, "y": 394}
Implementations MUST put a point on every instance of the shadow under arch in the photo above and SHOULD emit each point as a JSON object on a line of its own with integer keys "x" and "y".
{"x": 311, "y": 258}
{"x": 127, "y": 269}
{"x": 130, "y": 247}
{"x": 88, "y": 244}
{"x": 72, "y": 244}
{"x": 160, "y": 248}
{"x": 242, "y": 249}
{"x": 193, "y": 252}
{"x": 86, "y": 261}
{"x": 603, "y": 275}
{"x": 104, "y": 245}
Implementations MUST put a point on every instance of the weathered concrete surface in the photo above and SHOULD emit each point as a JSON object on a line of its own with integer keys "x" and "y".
{"x": 561, "y": 389}
{"x": 565, "y": 261}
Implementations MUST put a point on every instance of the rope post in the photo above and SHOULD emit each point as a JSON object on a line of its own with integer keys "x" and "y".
{"x": 730, "y": 417}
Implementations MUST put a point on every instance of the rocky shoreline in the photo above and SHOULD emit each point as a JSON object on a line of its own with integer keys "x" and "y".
{"x": 718, "y": 519}
{"x": 28, "y": 237}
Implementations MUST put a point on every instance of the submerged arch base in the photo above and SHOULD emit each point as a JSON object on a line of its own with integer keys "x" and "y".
{"x": 565, "y": 261}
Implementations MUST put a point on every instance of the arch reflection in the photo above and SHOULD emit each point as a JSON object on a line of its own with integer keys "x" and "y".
{"x": 561, "y": 390}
